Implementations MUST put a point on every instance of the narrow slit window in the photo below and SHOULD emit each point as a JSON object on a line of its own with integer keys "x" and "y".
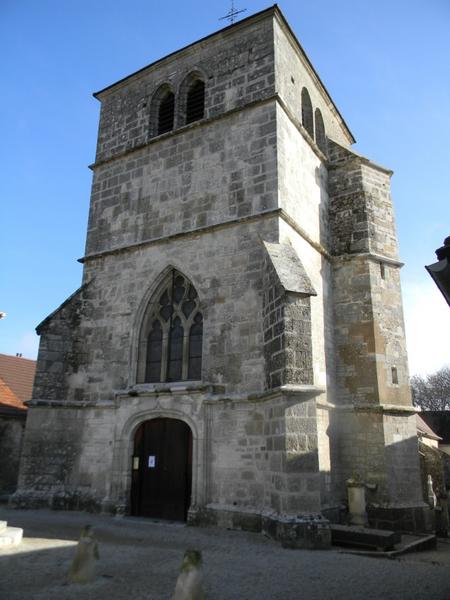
{"x": 394, "y": 373}
{"x": 195, "y": 102}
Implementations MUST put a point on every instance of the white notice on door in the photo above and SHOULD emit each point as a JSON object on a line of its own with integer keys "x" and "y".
{"x": 151, "y": 462}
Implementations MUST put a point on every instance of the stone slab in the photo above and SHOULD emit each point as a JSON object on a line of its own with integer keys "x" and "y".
{"x": 11, "y": 536}
{"x": 361, "y": 536}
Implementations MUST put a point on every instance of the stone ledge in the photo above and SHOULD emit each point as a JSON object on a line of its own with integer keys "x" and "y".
{"x": 408, "y": 518}
{"x": 362, "y": 536}
{"x": 373, "y": 256}
{"x": 311, "y": 532}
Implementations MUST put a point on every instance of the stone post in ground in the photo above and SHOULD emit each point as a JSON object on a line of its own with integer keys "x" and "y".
{"x": 356, "y": 492}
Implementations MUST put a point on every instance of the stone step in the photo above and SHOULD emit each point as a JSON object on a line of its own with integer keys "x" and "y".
{"x": 379, "y": 539}
{"x": 3, "y": 525}
{"x": 10, "y": 536}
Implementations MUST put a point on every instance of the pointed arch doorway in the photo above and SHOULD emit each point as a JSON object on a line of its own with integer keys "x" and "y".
{"x": 162, "y": 469}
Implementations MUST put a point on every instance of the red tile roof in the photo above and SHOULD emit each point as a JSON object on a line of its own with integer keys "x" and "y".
{"x": 8, "y": 398}
{"x": 16, "y": 377}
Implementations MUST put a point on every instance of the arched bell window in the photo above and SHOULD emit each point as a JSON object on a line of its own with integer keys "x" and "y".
{"x": 166, "y": 113}
{"x": 321, "y": 138}
{"x": 170, "y": 343}
{"x": 162, "y": 110}
{"x": 307, "y": 113}
{"x": 195, "y": 101}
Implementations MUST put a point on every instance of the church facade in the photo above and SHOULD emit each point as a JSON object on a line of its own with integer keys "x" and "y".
{"x": 236, "y": 350}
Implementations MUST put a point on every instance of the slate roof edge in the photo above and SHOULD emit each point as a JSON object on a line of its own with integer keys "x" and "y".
{"x": 255, "y": 16}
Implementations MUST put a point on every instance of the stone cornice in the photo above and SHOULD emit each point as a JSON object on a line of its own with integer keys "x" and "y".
{"x": 208, "y": 121}
{"x": 373, "y": 256}
{"x": 189, "y": 49}
{"x": 274, "y": 212}
{"x": 183, "y": 129}
{"x": 368, "y": 408}
{"x": 182, "y": 234}
{"x": 212, "y": 394}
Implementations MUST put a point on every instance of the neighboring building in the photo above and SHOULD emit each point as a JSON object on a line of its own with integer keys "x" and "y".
{"x": 16, "y": 385}
{"x": 425, "y": 434}
{"x": 439, "y": 422}
{"x": 236, "y": 350}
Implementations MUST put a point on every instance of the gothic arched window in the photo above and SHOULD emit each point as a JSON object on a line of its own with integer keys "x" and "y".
{"x": 162, "y": 110}
{"x": 307, "y": 113}
{"x": 170, "y": 344}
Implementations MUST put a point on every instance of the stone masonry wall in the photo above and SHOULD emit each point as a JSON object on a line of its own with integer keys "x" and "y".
{"x": 369, "y": 327}
{"x": 302, "y": 181}
{"x": 402, "y": 458}
{"x": 357, "y": 450}
{"x": 51, "y": 450}
{"x": 287, "y": 334}
{"x": 264, "y": 456}
{"x": 361, "y": 211}
{"x": 303, "y": 196}
{"x": 11, "y": 435}
{"x": 226, "y": 268}
{"x": 376, "y": 444}
{"x": 204, "y": 176}
{"x": 62, "y": 352}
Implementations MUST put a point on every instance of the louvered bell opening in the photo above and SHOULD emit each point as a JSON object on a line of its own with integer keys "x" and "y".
{"x": 166, "y": 113}
{"x": 195, "y": 103}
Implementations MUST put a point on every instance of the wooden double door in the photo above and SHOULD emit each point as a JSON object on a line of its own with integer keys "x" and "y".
{"x": 162, "y": 470}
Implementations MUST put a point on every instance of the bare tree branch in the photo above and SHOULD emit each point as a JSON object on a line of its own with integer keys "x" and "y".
{"x": 433, "y": 391}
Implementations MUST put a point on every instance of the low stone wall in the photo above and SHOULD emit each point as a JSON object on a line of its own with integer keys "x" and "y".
{"x": 11, "y": 434}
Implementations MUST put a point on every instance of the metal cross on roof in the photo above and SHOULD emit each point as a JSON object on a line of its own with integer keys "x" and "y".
{"x": 231, "y": 15}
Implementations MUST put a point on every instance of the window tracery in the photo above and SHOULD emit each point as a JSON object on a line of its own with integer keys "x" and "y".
{"x": 172, "y": 333}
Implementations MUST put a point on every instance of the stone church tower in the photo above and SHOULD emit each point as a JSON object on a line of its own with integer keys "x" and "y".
{"x": 236, "y": 351}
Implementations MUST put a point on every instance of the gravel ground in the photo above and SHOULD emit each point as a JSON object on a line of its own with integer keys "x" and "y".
{"x": 139, "y": 559}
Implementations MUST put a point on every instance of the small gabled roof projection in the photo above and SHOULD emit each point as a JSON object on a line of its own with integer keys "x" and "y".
{"x": 289, "y": 269}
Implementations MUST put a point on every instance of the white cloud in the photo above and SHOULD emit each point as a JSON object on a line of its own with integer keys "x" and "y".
{"x": 427, "y": 323}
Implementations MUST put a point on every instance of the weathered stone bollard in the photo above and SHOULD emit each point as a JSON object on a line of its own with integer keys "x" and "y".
{"x": 82, "y": 569}
{"x": 356, "y": 493}
{"x": 189, "y": 584}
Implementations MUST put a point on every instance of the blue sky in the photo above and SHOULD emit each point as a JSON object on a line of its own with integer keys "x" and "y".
{"x": 386, "y": 64}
